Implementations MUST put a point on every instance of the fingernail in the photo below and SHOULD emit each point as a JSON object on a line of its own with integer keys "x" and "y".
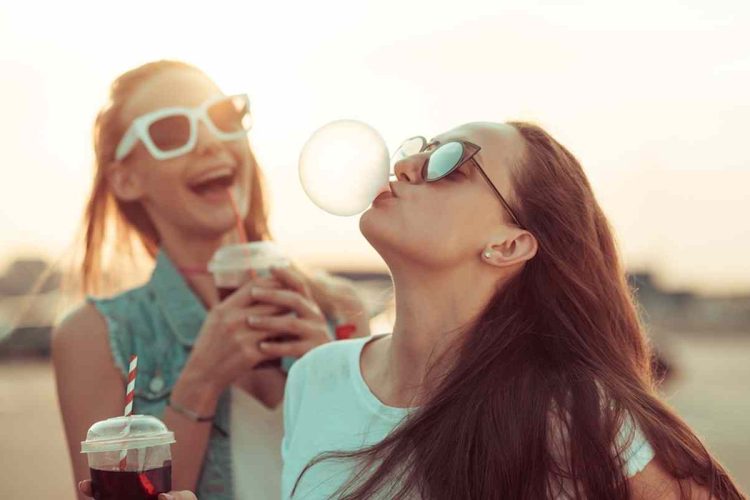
{"x": 253, "y": 320}
{"x": 166, "y": 496}
{"x": 263, "y": 345}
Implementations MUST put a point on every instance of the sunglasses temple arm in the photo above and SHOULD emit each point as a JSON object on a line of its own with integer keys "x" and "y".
{"x": 126, "y": 144}
{"x": 499, "y": 195}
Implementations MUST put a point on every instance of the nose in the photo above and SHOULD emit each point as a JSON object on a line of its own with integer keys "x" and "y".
{"x": 410, "y": 169}
{"x": 206, "y": 143}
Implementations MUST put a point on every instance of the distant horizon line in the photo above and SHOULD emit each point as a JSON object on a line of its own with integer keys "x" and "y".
{"x": 369, "y": 263}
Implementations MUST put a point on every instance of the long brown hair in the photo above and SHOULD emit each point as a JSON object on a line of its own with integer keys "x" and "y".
{"x": 558, "y": 354}
{"x": 115, "y": 230}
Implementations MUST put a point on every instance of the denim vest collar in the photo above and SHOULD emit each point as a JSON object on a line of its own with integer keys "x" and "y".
{"x": 181, "y": 307}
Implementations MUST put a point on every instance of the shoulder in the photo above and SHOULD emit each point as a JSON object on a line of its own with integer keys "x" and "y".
{"x": 85, "y": 336}
{"x": 655, "y": 483}
{"x": 630, "y": 444}
{"x": 82, "y": 325}
{"x": 335, "y": 351}
{"x": 80, "y": 342}
{"x": 326, "y": 370}
{"x": 319, "y": 383}
{"x": 331, "y": 355}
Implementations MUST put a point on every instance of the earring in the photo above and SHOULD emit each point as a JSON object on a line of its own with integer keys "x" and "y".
{"x": 487, "y": 254}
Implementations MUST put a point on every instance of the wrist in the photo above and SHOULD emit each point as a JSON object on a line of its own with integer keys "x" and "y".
{"x": 196, "y": 394}
{"x": 190, "y": 414}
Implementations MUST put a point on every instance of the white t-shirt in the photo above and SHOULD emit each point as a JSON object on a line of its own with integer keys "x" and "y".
{"x": 329, "y": 407}
{"x": 256, "y": 432}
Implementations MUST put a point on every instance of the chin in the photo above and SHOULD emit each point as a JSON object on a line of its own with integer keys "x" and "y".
{"x": 216, "y": 226}
{"x": 368, "y": 226}
{"x": 380, "y": 233}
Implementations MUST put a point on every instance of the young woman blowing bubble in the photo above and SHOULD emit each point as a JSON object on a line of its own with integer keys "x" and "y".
{"x": 517, "y": 367}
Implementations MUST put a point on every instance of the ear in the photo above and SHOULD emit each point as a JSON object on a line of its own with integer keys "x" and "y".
{"x": 124, "y": 181}
{"x": 515, "y": 248}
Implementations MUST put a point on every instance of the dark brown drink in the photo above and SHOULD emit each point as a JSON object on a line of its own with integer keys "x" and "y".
{"x": 131, "y": 485}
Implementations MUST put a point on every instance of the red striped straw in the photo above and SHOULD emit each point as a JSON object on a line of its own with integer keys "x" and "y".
{"x": 129, "y": 393}
{"x": 238, "y": 217}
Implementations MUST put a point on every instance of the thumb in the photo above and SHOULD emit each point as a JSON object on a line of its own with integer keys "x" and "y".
{"x": 177, "y": 495}
{"x": 85, "y": 488}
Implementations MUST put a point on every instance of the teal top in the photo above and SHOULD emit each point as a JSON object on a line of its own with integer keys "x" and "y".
{"x": 159, "y": 322}
{"x": 328, "y": 406}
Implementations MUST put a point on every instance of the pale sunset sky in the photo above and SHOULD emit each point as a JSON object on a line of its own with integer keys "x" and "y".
{"x": 652, "y": 96}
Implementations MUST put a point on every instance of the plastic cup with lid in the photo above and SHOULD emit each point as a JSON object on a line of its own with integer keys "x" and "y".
{"x": 129, "y": 457}
{"x": 234, "y": 265}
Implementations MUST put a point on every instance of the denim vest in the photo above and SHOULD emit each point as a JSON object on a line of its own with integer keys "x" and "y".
{"x": 159, "y": 322}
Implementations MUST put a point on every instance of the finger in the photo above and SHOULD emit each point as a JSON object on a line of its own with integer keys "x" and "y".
{"x": 238, "y": 318}
{"x": 293, "y": 301}
{"x": 287, "y": 324}
{"x": 85, "y": 487}
{"x": 249, "y": 352}
{"x": 292, "y": 279}
{"x": 267, "y": 282}
{"x": 241, "y": 297}
{"x": 178, "y": 495}
{"x": 253, "y": 336}
{"x": 292, "y": 348}
{"x": 264, "y": 310}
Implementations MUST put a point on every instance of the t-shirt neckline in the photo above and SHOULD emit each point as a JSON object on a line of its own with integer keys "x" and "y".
{"x": 364, "y": 393}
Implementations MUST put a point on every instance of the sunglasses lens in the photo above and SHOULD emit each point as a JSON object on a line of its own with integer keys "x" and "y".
{"x": 231, "y": 114}
{"x": 171, "y": 132}
{"x": 407, "y": 148}
{"x": 443, "y": 160}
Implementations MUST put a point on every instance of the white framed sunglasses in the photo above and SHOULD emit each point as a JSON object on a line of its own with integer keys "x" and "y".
{"x": 171, "y": 132}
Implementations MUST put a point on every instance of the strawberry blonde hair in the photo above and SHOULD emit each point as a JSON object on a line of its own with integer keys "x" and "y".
{"x": 114, "y": 230}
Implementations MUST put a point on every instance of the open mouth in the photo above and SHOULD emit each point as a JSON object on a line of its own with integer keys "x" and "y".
{"x": 218, "y": 181}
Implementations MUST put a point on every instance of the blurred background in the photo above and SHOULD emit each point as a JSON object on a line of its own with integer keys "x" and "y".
{"x": 652, "y": 96}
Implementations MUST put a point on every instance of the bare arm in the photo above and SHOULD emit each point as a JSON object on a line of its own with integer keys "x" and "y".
{"x": 89, "y": 386}
{"x": 191, "y": 438}
{"x": 655, "y": 483}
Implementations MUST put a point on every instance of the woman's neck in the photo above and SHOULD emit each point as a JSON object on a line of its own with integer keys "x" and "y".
{"x": 433, "y": 311}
